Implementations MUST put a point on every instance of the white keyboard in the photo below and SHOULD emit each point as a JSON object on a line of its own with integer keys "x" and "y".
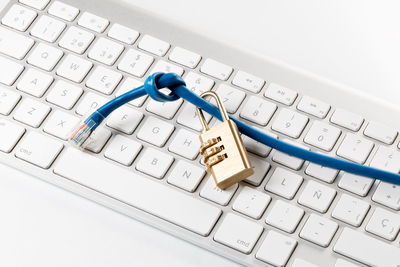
{"x": 59, "y": 60}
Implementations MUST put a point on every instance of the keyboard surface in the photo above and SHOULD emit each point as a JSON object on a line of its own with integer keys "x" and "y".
{"x": 59, "y": 60}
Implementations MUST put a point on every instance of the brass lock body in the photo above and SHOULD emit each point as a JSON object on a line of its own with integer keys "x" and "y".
{"x": 222, "y": 149}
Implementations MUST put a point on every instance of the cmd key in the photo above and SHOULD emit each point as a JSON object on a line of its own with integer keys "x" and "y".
{"x": 38, "y": 149}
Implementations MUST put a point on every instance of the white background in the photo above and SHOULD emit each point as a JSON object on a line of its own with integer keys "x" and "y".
{"x": 352, "y": 42}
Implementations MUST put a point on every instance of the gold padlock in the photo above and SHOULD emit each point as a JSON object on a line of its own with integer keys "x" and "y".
{"x": 222, "y": 149}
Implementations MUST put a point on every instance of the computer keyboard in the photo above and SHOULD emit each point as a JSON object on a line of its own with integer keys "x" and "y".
{"x": 59, "y": 60}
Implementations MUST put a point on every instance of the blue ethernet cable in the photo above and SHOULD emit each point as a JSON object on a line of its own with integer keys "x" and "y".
{"x": 178, "y": 89}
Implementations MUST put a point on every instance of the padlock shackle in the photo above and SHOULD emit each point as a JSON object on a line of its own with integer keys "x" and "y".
{"x": 221, "y": 108}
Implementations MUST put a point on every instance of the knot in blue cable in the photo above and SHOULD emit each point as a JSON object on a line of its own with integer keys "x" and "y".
{"x": 160, "y": 80}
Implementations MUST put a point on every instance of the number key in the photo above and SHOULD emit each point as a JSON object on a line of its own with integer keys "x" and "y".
{"x": 258, "y": 110}
{"x": 231, "y": 97}
{"x": 322, "y": 135}
{"x": 290, "y": 123}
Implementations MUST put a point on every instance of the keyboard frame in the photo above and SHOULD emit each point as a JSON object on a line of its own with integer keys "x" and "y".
{"x": 271, "y": 70}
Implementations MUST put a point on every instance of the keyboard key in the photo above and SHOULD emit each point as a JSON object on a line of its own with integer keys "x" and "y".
{"x": 317, "y": 196}
{"x": 247, "y": 81}
{"x": 387, "y": 159}
{"x": 76, "y": 40}
{"x": 276, "y": 249}
{"x": 384, "y": 224}
{"x": 313, "y": 107}
{"x": 90, "y": 102}
{"x": 48, "y": 29}
{"x": 365, "y": 249}
{"x": 155, "y": 131}
{"x": 322, "y": 135}
{"x": 256, "y": 147}
{"x": 167, "y": 110}
{"x": 97, "y": 140}
{"x": 238, "y": 233}
{"x": 197, "y": 83}
{"x": 321, "y": 172}
{"x": 45, "y": 57}
{"x": 9, "y": 71}
{"x": 122, "y": 150}
{"x": 355, "y": 148}
{"x": 230, "y": 97}
{"x": 258, "y": 110}
{"x": 154, "y": 45}
{"x": 281, "y": 94}
{"x": 8, "y": 100}
{"x": 31, "y": 112}
{"x": 34, "y": 82}
{"x": 123, "y": 34}
{"x": 289, "y": 123}
{"x": 93, "y": 22}
{"x": 63, "y": 11}
{"x": 387, "y": 195}
{"x": 319, "y": 230}
{"x": 251, "y": 202}
{"x": 10, "y": 133}
{"x": 105, "y": 51}
{"x": 287, "y": 160}
{"x": 216, "y": 69}
{"x": 61, "y": 124}
{"x": 356, "y": 184}
{"x": 164, "y": 66}
{"x": 124, "y": 119}
{"x": 74, "y": 68}
{"x": 211, "y": 192}
{"x": 14, "y": 44}
{"x": 284, "y": 183}
{"x": 154, "y": 163}
{"x": 284, "y": 216}
{"x": 186, "y": 176}
{"x": 38, "y": 149}
{"x": 137, "y": 191}
{"x": 19, "y": 17}
{"x": 38, "y": 4}
{"x": 64, "y": 94}
{"x": 184, "y": 57}
{"x": 350, "y": 210}
{"x": 128, "y": 85}
{"x": 185, "y": 144}
{"x": 103, "y": 80}
{"x": 347, "y": 119}
{"x": 188, "y": 117}
{"x": 380, "y": 132}
{"x": 260, "y": 167}
{"x": 135, "y": 63}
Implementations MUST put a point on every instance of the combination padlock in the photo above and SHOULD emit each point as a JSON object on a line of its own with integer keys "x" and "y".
{"x": 222, "y": 148}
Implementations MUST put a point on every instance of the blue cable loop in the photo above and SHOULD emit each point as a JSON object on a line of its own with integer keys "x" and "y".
{"x": 178, "y": 89}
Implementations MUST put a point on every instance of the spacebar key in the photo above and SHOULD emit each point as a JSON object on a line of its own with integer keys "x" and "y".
{"x": 138, "y": 191}
{"x": 366, "y": 249}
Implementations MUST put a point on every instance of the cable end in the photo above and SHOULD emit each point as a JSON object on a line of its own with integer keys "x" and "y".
{"x": 81, "y": 135}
